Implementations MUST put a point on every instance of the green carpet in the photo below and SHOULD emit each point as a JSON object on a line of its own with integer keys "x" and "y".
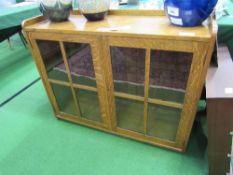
{"x": 17, "y": 68}
{"x": 34, "y": 142}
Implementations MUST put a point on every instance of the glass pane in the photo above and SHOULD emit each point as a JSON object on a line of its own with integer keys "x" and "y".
{"x": 169, "y": 74}
{"x": 128, "y": 67}
{"x": 52, "y": 58}
{"x": 80, "y": 62}
{"x": 129, "y": 114}
{"x": 64, "y": 99}
{"x": 89, "y": 104}
{"x": 163, "y": 122}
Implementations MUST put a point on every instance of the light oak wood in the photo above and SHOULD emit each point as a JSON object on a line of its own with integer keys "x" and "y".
{"x": 107, "y": 65}
{"x": 150, "y": 100}
{"x": 36, "y": 59}
{"x": 101, "y": 86}
{"x": 64, "y": 56}
{"x": 44, "y": 77}
{"x": 83, "y": 87}
{"x": 59, "y": 82}
{"x": 165, "y": 103}
{"x": 79, "y": 86}
{"x": 128, "y": 96}
{"x": 118, "y": 25}
{"x": 192, "y": 95}
{"x": 148, "y": 30}
{"x": 146, "y": 89}
{"x": 130, "y": 12}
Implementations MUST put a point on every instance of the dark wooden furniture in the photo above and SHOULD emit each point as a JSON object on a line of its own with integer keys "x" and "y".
{"x": 9, "y": 32}
{"x": 219, "y": 94}
{"x": 231, "y": 156}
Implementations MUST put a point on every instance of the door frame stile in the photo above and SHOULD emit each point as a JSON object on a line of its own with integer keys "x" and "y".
{"x": 42, "y": 70}
{"x": 191, "y": 96}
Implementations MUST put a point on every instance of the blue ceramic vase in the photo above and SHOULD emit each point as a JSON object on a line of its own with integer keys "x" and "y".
{"x": 188, "y": 13}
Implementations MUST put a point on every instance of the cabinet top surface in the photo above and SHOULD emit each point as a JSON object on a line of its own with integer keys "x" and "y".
{"x": 120, "y": 25}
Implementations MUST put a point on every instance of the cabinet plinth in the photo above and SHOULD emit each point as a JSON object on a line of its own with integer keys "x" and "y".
{"x": 131, "y": 74}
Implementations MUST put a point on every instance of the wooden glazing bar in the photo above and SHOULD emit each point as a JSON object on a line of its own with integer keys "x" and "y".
{"x": 70, "y": 77}
{"x": 128, "y": 96}
{"x": 146, "y": 88}
{"x": 165, "y": 103}
{"x": 84, "y": 87}
{"x": 58, "y": 82}
{"x": 150, "y": 100}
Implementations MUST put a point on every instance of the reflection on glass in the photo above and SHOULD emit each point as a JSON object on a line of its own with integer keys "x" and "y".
{"x": 52, "y": 58}
{"x": 80, "y": 62}
{"x": 64, "y": 99}
{"x": 169, "y": 74}
{"x": 137, "y": 4}
{"x": 128, "y": 68}
{"x": 89, "y": 105}
{"x": 163, "y": 122}
{"x": 114, "y": 4}
{"x": 129, "y": 114}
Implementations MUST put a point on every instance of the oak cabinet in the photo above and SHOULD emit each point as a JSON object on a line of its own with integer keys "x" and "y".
{"x": 133, "y": 75}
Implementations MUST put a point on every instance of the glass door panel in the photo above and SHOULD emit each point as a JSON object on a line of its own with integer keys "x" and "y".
{"x": 51, "y": 54}
{"x": 64, "y": 99}
{"x": 80, "y": 62}
{"x": 79, "y": 95}
{"x": 129, "y": 114}
{"x": 169, "y": 74}
{"x": 128, "y": 68}
{"x": 163, "y": 122}
{"x": 89, "y": 105}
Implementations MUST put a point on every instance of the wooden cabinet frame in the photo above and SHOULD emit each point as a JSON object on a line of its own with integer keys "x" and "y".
{"x": 98, "y": 73}
{"x": 100, "y": 43}
{"x": 191, "y": 98}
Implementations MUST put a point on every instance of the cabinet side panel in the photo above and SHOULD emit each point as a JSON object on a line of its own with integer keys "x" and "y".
{"x": 192, "y": 95}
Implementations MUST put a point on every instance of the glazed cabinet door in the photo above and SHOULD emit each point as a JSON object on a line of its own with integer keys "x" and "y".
{"x": 151, "y": 83}
{"x": 71, "y": 72}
